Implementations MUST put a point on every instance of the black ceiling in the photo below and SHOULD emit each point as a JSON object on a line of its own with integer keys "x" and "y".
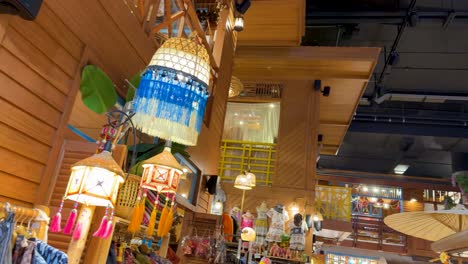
{"x": 429, "y": 58}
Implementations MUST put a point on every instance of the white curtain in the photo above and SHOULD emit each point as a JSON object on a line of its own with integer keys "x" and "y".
{"x": 254, "y": 122}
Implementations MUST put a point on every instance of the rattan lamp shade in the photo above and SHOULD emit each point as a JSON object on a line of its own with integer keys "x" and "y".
{"x": 162, "y": 173}
{"x": 95, "y": 180}
{"x": 252, "y": 178}
{"x": 171, "y": 99}
{"x": 236, "y": 87}
{"x": 242, "y": 182}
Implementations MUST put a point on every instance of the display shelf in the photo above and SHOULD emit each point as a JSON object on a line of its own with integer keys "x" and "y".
{"x": 284, "y": 260}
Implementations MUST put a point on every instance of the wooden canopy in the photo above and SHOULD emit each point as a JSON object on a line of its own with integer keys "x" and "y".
{"x": 345, "y": 70}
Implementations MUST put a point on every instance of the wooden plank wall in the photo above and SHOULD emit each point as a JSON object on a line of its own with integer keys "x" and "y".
{"x": 38, "y": 64}
{"x": 40, "y": 67}
{"x": 206, "y": 154}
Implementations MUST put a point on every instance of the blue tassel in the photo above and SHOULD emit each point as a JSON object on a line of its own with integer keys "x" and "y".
{"x": 173, "y": 96}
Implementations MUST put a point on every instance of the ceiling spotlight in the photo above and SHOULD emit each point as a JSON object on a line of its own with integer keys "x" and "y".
{"x": 365, "y": 189}
{"x": 413, "y": 200}
{"x": 386, "y": 206}
{"x": 400, "y": 168}
{"x": 376, "y": 189}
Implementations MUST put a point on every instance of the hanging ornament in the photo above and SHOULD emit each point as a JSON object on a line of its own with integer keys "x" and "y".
{"x": 171, "y": 98}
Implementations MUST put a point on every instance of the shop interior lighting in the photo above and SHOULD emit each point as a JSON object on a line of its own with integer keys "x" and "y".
{"x": 400, "y": 169}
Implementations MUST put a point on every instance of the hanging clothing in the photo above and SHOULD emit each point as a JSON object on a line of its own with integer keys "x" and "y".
{"x": 247, "y": 220}
{"x": 228, "y": 227}
{"x": 51, "y": 255}
{"x": 236, "y": 227}
{"x": 261, "y": 226}
{"x": 277, "y": 224}
{"x": 297, "y": 240}
{"x": 6, "y": 232}
{"x": 112, "y": 255}
{"x": 29, "y": 252}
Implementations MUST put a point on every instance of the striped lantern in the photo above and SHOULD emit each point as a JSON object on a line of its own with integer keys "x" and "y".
{"x": 171, "y": 99}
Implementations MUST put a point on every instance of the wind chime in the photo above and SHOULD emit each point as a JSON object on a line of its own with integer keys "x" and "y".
{"x": 170, "y": 104}
{"x": 93, "y": 181}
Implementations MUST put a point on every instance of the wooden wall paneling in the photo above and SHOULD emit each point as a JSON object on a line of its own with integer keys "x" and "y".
{"x": 38, "y": 61}
{"x": 291, "y": 162}
{"x": 46, "y": 187}
{"x": 32, "y": 81}
{"x": 94, "y": 25}
{"x": 4, "y": 22}
{"x": 207, "y": 152}
{"x": 28, "y": 102}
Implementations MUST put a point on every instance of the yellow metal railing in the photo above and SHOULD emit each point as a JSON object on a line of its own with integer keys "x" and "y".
{"x": 333, "y": 202}
{"x": 236, "y": 156}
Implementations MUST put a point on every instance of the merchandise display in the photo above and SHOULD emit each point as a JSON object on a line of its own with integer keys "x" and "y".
{"x": 233, "y": 132}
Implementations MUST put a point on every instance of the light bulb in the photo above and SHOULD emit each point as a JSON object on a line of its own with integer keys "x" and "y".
{"x": 365, "y": 189}
{"x": 218, "y": 205}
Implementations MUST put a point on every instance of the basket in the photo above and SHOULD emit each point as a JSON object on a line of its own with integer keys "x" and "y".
{"x": 127, "y": 197}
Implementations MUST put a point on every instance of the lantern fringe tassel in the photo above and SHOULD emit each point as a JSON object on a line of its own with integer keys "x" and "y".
{"x": 70, "y": 221}
{"x": 77, "y": 232}
{"x": 102, "y": 228}
{"x": 137, "y": 216}
{"x": 170, "y": 105}
{"x": 152, "y": 222}
{"x": 168, "y": 223}
{"x": 110, "y": 226}
{"x": 56, "y": 222}
{"x": 162, "y": 220}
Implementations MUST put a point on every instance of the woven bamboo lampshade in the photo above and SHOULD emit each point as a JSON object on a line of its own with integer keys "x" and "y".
{"x": 242, "y": 182}
{"x": 95, "y": 180}
{"x": 236, "y": 87}
{"x": 171, "y": 99}
{"x": 248, "y": 234}
{"x": 252, "y": 178}
{"x": 161, "y": 173}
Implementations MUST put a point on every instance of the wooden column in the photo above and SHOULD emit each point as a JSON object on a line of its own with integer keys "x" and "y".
{"x": 98, "y": 248}
{"x": 76, "y": 247}
{"x": 297, "y": 143}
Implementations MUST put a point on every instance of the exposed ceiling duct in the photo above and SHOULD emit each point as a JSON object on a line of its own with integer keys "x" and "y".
{"x": 419, "y": 98}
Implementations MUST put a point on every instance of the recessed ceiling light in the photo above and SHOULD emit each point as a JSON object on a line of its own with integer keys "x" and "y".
{"x": 400, "y": 168}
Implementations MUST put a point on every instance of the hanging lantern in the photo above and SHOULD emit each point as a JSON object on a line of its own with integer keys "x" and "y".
{"x": 236, "y": 87}
{"x": 170, "y": 101}
{"x": 95, "y": 180}
{"x": 161, "y": 173}
{"x": 248, "y": 234}
{"x": 242, "y": 182}
{"x": 252, "y": 178}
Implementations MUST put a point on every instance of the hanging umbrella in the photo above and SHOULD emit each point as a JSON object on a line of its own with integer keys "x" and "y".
{"x": 456, "y": 244}
{"x": 430, "y": 225}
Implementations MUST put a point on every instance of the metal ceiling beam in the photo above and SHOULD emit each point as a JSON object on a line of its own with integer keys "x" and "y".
{"x": 392, "y": 127}
{"x": 337, "y": 18}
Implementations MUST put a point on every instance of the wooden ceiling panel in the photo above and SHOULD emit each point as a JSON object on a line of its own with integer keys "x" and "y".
{"x": 332, "y": 133}
{"x": 86, "y": 120}
{"x": 340, "y": 105}
{"x": 273, "y": 23}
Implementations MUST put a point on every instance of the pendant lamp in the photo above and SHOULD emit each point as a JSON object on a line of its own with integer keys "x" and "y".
{"x": 242, "y": 182}
{"x": 171, "y": 98}
{"x": 236, "y": 87}
{"x": 161, "y": 173}
{"x": 94, "y": 181}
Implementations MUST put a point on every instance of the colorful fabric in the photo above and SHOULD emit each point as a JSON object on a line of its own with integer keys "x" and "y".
{"x": 247, "y": 221}
{"x": 50, "y": 254}
{"x": 6, "y": 231}
{"x": 297, "y": 240}
{"x": 228, "y": 227}
{"x": 261, "y": 226}
{"x": 277, "y": 225}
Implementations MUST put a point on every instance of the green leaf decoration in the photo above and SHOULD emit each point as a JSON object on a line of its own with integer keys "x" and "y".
{"x": 462, "y": 181}
{"x": 135, "y": 81}
{"x": 97, "y": 89}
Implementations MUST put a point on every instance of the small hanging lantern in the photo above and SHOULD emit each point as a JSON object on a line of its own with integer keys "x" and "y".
{"x": 170, "y": 101}
{"x": 95, "y": 180}
{"x": 236, "y": 87}
{"x": 252, "y": 178}
{"x": 242, "y": 182}
{"x": 239, "y": 23}
{"x": 161, "y": 173}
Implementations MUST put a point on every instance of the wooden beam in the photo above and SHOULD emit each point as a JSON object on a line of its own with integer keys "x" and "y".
{"x": 168, "y": 22}
{"x": 196, "y": 24}
{"x": 167, "y": 14}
